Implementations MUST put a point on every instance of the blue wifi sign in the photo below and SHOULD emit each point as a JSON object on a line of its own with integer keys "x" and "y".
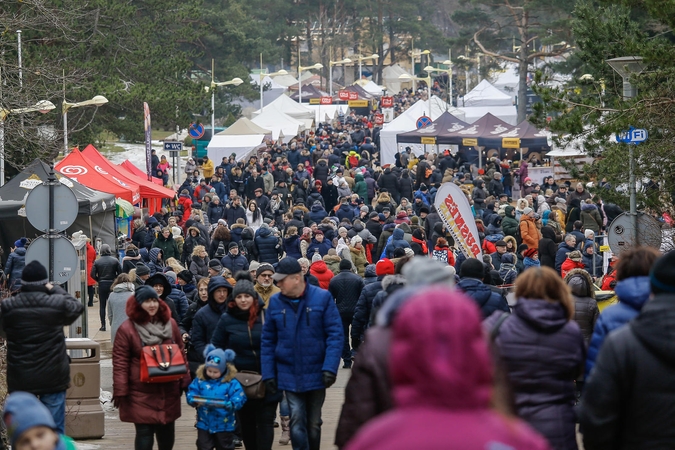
{"x": 633, "y": 136}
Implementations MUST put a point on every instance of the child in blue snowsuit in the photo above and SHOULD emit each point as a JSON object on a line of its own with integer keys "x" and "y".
{"x": 216, "y": 395}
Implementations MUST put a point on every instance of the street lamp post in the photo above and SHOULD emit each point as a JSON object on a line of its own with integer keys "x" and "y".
{"x": 625, "y": 67}
{"x": 233, "y": 82}
{"x": 97, "y": 101}
{"x": 429, "y": 69}
{"x": 413, "y": 55}
{"x": 301, "y": 69}
{"x": 374, "y": 56}
{"x": 42, "y": 106}
{"x": 263, "y": 74}
{"x": 330, "y": 70}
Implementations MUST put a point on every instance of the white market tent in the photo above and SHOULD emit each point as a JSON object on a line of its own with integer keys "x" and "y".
{"x": 407, "y": 122}
{"x": 323, "y": 113}
{"x": 390, "y": 76}
{"x": 507, "y": 80}
{"x": 485, "y": 98}
{"x": 286, "y": 105}
{"x": 240, "y": 138}
{"x": 370, "y": 87}
{"x": 282, "y": 125}
{"x": 285, "y": 80}
{"x": 255, "y": 79}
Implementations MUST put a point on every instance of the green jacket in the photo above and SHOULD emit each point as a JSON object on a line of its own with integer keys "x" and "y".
{"x": 509, "y": 223}
{"x": 168, "y": 246}
{"x": 360, "y": 188}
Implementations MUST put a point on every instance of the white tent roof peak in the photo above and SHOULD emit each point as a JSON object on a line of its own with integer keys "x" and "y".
{"x": 243, "y": 126}
{"x": 485, "y": 94}
{"x": 280, "y": 124}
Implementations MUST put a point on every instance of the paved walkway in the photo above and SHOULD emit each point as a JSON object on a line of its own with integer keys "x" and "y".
{"x": 120, "y": 435}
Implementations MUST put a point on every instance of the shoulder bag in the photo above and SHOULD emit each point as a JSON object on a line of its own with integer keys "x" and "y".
{"x": 162, "y": 363}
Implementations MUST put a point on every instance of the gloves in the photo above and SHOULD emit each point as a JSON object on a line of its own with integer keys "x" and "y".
{"x": 328, "y": 378}
{"x": 117, "y": 401}
{"x": 271, "y": 386}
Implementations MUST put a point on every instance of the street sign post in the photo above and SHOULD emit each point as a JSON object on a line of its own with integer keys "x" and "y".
{"x": 196, "y": 130}
{"x": 423, "y": 122}
{"x": 633, "y": 136}
{"x": 174, "y": 148}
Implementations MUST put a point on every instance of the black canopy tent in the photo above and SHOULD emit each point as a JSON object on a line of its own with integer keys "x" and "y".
{"x": 96, "y": 210}
{"x": 438, "y": 132}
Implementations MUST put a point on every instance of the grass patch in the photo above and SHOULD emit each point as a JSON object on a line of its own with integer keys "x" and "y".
{"x": 158, "y": 135}
{"x": 111, "y": 148}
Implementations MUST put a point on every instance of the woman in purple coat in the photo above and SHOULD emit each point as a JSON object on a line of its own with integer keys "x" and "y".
{"x": 543, "y": 352}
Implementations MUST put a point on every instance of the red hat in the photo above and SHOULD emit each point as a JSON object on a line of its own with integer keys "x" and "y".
{"x": 530, "y": 252}
{"x": 402, "y": 215}
{"x": 384, "y": 267}
{"x": 317, "y": 183}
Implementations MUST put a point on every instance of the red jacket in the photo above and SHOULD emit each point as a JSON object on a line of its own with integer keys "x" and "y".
{"x": 568, "y": 265}
{"x": 144, "y": 403}
{"x": 91, "y": 257}
{"x": 186, "y": 203}
{"x": 321, "y": 271}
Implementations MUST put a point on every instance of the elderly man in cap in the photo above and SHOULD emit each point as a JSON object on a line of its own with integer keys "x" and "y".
{"x": 264, "y": 285}
{"x": 500, "y": 245}
{"x": 301, "y": 347}
{"x": 33, "y": 322}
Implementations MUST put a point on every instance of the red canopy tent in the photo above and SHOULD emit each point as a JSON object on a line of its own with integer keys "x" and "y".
{"x": 81, "y": 169}
{"x": 129, "y": 166}
{"x": 149, "y": 191}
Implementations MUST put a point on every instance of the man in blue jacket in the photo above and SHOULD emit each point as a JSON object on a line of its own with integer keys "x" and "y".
{"x": 301, "y": 347}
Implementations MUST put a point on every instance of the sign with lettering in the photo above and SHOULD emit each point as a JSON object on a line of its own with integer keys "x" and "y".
{"x": 455, "y": 211}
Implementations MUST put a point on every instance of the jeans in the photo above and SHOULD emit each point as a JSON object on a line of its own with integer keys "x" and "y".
{"x": 306, "y": 418}
{"x": 145, "y": 436}
{"x": 56, "y": 404}
{"x": 508, "y": 191}
{"x": 346, "y": 323}
{"x": 256, "y": 418}
{"x": 284, "y": 409}
{"x": 220, "y": 441}
{"x": 103, "y": 294}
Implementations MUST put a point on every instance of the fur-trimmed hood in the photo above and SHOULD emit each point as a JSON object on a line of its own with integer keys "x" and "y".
{"x": 237, "y": 225}
{"x": 332, "y": 258}
{"x": 580, "y": 283}
{"x": 588, "y": 207}
{"x": 229, "y": 376}
{"x": 390, "y": 280}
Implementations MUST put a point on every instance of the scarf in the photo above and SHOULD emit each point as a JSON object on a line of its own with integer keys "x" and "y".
{"x": 153, "y": 333}
{"x": 275, "y": 205}
{"x": 422, "y": 244}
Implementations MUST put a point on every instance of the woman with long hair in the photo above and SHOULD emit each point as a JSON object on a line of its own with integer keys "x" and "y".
{"x": 240, "y": 329}
{"x": 153, "y": 408}
{"x": 543, "y": 352}
{"x": 253, "y": 216}
{"x": 122, "y": 289}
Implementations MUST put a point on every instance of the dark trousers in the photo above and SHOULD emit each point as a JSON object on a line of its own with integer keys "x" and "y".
{"x": 220, "y": 441}
{"x": 346, "y": 323}
{"x": 256, "y": 418}
{"x": 90, "y": 294}
{"x": 306, "y": 418}
{"x": 145, "y": 436}
{"x": 103, "y": 294}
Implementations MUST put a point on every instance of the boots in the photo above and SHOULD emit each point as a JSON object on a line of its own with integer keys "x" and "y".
{"x": 285, "y": 430}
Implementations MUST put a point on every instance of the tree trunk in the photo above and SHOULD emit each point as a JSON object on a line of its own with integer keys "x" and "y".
{"x": 522, "y": 69}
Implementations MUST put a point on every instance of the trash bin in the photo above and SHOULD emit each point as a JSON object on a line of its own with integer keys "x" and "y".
{"x": 84, "y": 415}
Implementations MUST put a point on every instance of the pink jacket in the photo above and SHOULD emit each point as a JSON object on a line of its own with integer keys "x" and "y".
{"x": 441, "y": 372}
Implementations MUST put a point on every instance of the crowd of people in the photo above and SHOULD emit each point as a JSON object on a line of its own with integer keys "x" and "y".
{"x": 310, "y": 255}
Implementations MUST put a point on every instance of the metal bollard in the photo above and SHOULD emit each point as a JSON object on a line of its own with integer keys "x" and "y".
{"x": 84, "y": 415}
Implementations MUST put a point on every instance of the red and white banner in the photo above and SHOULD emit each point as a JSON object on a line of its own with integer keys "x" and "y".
{"x": 387, "y": 102}
{"x": 326, "y": 100}
{"x": 343, "y": 95}
{"x": 353, "y": 95}
{"x": 379, "y": 119}
{"x": 455, "y": 211}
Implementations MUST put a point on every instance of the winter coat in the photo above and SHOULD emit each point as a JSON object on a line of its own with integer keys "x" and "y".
{"x": 509, "y": 222}
{"x": 32, "y": 322}
{"x": 528, "y": 232}
{"x": 346, "y": 288}
{"x": 317, "y": 213}
{"x": 191, "y": 242}
{"x": 586, "y": 310}
{"x": 542, "y": 352}
{"x": 180, "y": 300}
{"x": 14, "y": 267}
{"x": 590, "y": 218}
{"x": 405, "y": 185}
{"x": 199, "y": 267}
{"x": 234, "y": 263}
{"x": 233, "y": 213}
{"x": 320, "y": 270}
{"x": 106, "y": 268}
{"x": 130, "y": 260}
{"x": 345, "y": 212}
{"x": 588, "y": 263}
{"x": 397, "y": 241}
{"x": 301, "y": 340}
{"x": 547, "y": 248}
{"x": 203, "y": 326}
{"x": 235, "y": 232}
{"x": 321, "y": 247}
{"x": 388, "y": 182}
{"x": 211, "y": 418}
{"x": 333, "y": 263}
{"x": 561, "y": 255}
{"x": 363, "y": 311}
{"x": 488, "y": 301}
{"x": 268, "y": 246}
{"x": 215, "y": 212}
{"x": 371, "y": 186}
{"x": 360, "y": 188}
{"x": 321, "y": 171}
{"x": 633, "y": 294}
{"x": 628, "y": 399}
{"x": 359, "y": 260}
{"x": 568, "y": 266}
{"x": 248, "y": 244}
{"x": 292, "y": 246}
{"x": 117, "y": 306}
{"x": 144, "y": 403}
{"x": 155, "y": 265}
{"x": 441, "y": 396}
{"x": 508, "y": 272}
{"x": 478, "y": 196}
{"x": 168, "y": 246}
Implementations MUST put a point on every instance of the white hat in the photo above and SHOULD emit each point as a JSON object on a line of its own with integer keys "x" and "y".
{"x": 176, "y": 231}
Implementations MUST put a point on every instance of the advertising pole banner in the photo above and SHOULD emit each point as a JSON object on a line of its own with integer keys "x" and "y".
{"x": 148, "y": 140}
{"x": 455, "y": 211}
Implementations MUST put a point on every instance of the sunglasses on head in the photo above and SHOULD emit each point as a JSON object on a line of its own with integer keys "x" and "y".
{"x": 213, "y": 359}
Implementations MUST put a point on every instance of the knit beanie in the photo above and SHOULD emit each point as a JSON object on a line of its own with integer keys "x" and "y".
{"x": 316, "y": 257}
{"x": 34, "y": 274}
{"x": 384, "y": 267}
{"x": 215, "y": 265}
{"x": 399, "y": 252}
{"x": 575, "y": 256}
{"x": 142, "y": 269}
{"x": 20, "y": 243}
{"x": 507, "y": 258}
{"x": 217, "y": 358}
{"x": 527, "y": 210}
{"x": 472, "y": 268}
{"x": 244, "y": 287}
{"x": 253, "y": 266}
{"x": 24, "y": 411}
{"x": 144, "y": 293}
{"x": 264, "y": 267}
{"x": 185, "y": 275}
{"x": 662, "y": 276}
{"x": 345, "y": 265}
{"x": 421, "y": 271}
{"x": 171, "y": 276}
